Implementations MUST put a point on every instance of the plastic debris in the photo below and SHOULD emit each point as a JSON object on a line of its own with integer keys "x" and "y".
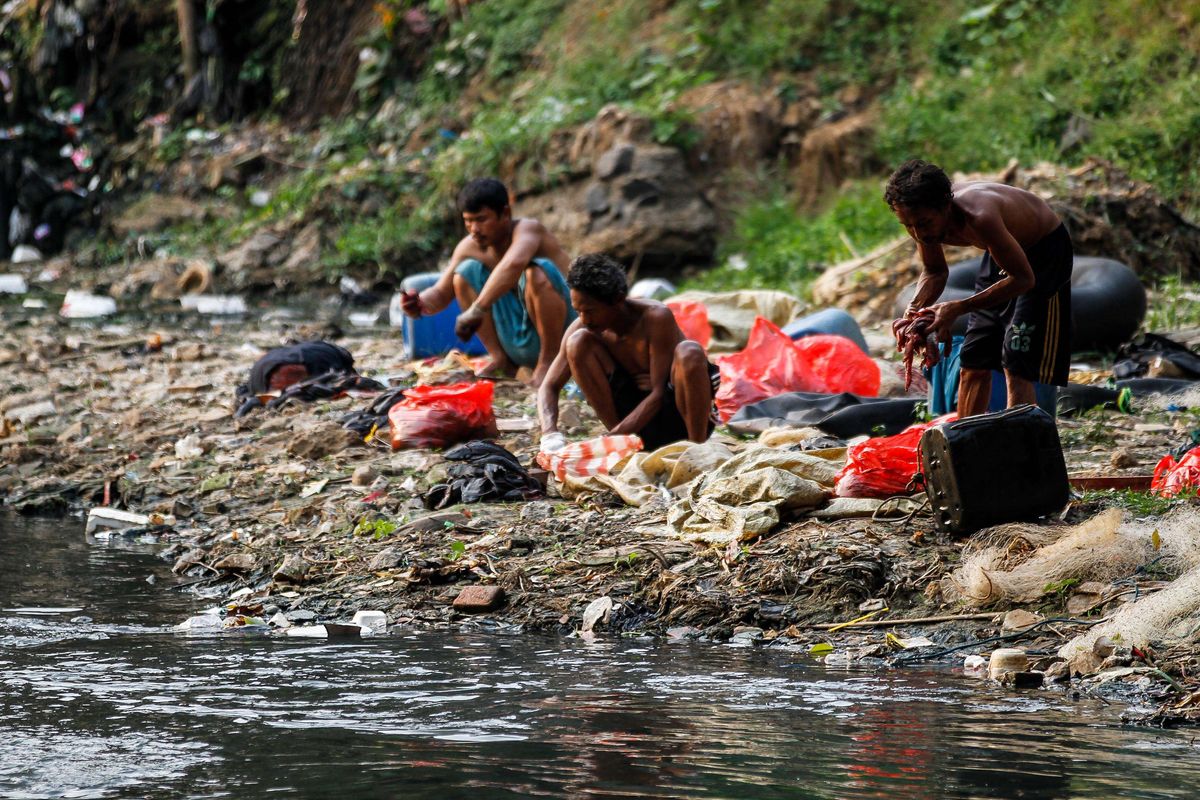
{"x": 13, "y": 284}
{"x": 83, "y": 305}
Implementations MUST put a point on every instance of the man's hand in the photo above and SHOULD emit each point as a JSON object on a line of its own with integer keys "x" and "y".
{"x": 469, "y": 322}
{"x": 410, "y": 303}
{"x": 944, "y": 315}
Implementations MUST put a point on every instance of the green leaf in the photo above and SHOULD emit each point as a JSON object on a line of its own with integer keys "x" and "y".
{"x": 820, "y": 649}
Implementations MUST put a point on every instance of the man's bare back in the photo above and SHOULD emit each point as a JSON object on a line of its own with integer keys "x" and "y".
{"x": 630, "y": 348}
{"x": 1025, "y": 215}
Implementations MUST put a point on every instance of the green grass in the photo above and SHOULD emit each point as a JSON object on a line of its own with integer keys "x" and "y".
{"x": 1173, "y": 306}
{"x": 782, "y": 249}
{"x": 1142, "y": 504}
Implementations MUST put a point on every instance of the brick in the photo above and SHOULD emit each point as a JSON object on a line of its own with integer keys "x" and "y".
{"x": 474, "y": 599}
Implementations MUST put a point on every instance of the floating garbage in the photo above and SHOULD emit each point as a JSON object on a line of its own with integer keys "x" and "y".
{"x": 13, "y": 284}
{"x": 326, "y": 630}
{"x": 207, "y": 623}
{"x": 1006, "y": 660}
{"x": 107, "y": 520}
{"x": 213, "y": 303}
{"x": 375, "y": 621}
{"x": 84, "y": 305}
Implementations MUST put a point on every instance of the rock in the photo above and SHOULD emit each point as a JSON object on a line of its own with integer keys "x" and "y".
{"x": 1122, "y": 458}
{"x": 643, "y": 204}
{"x": 236, "y": 562}
{"x": 189, "y": 351}
{"x": 747, "y": 634}
{"x": 834, "y": 152}
{"x": 294, "y": 569}
{"x": 363, "y": 475}
{"x": 321, "y": 440}
{"x": 1058, "y": 672}
{"x": 187, "y": 561}
{"x": 684, "y": 632}
{"x": 538, "y": 511}
{"x": 615, "y": 162}
{"x": 300, "y": 616}
{"x": 974, "y": 663}
{"x": 252, "y": 263}
{"x": 388, "y": 558}
{"x": 1019, "y": 619}
{"x": 1023, "y": 680}
{"x": 598, "y": 611}
{"x": 476, "y": 599}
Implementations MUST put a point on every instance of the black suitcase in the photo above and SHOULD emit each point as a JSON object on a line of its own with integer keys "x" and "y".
{"x": 994, "y": 468}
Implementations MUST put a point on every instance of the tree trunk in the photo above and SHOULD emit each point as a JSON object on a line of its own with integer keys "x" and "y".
{"x": 186, "y": 10}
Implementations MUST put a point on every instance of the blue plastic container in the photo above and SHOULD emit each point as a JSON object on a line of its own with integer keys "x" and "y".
{"x": 433, "y": 335}
{"x": 943, "y": 387}
{"x": 829, "y": 320}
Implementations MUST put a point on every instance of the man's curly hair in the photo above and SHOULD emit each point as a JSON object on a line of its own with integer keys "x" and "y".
{"x": 918, "y": 184}
{"x": 598, "y": 276}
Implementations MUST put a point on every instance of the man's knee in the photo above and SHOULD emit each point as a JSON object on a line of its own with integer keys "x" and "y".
{"x": 463, "y": 287}
{"x": 580, "y": 345}
{"x": 690, "y": 356}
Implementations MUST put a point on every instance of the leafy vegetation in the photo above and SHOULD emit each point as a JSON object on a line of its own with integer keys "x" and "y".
{"x": 772, "y": 246}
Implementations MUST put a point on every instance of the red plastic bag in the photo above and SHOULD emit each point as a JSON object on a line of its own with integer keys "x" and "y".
{"x": 1172, "y": 477}
{"x": 840, "y": 364}
{"x": 883, "y": 466}
{"x": 769, "y": 366}
{"x": 435, "y": 416}
{"x": 692, "y": 317}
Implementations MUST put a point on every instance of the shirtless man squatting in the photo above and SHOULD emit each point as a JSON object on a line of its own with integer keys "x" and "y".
{"x": 636, "y": 369}
{"x": 508, "y": 276}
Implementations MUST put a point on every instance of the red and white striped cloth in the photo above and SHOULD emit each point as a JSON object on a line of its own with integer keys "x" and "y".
{"x": 590, "y": 457}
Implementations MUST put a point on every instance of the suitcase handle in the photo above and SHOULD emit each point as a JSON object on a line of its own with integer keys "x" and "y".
{"x": 999, "y": 415}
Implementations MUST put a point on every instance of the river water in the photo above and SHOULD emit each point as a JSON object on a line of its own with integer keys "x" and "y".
{"x": 106, "y": 702}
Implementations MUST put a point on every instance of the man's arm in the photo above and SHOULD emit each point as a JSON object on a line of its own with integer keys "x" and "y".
{"x": 662, "y": 333}
{"x": 526, "y": 241}
{"x": 556, "y": 379}
{"x": 1018, "y": 278}
{"x": 438, "y": 296}
{"x": 1012, "y": 261}
{"x": 932, "y": 281}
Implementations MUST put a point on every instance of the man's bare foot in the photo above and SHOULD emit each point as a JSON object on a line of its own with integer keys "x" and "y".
{"x": 497, "y": 369}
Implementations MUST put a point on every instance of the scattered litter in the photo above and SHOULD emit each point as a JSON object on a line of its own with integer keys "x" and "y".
{"x": 13, "y": 284}
{"x": 213, "y": 304}
{"x": 82, "y": 305}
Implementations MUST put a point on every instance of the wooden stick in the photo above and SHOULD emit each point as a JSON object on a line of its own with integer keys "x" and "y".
{"x": 883, "y": 623}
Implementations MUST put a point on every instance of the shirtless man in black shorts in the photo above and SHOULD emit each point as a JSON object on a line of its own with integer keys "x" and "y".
{"x": 635, "y": 367}
{"x": 1021, "y": 310}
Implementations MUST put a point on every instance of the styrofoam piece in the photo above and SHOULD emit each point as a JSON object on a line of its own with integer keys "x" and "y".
{"x": 213, "y": 303}
{"x": 13, "y": 284}
{"x": 375, "y": 621}
{"x": 84, "y": 305}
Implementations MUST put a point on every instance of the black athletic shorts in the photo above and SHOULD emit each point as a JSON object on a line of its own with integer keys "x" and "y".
{"x": 668, "y": 425}
{"x": 1031, "y": 335}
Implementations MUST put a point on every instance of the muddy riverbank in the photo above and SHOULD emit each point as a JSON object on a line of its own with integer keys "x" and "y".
{"x": 267, "y": 516}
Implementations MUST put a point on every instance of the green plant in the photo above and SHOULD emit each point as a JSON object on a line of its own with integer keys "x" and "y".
{"x": 457, "y": 550}
{"x": 773, "y": 246}
{"x": 1174, "y": 304}
{"x": 1142, "y": 504}
{"x": 375, "y": 528}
